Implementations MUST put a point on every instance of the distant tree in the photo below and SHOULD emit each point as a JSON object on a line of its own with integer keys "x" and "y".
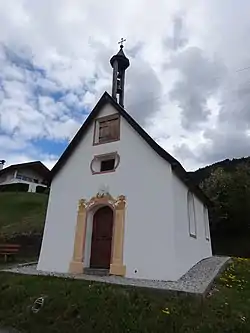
{"x": 230, "y": 195}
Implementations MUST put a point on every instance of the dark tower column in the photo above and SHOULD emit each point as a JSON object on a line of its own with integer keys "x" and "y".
{"x": 114, "y": 83}
{"x": 121, "y": 96}
{"x": 120, "y": 63}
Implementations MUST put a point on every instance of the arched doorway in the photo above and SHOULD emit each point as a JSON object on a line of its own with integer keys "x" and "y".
{"x": 101, "y": 243}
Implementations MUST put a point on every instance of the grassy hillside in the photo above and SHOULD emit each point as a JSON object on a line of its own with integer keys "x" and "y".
{"x": 22, "y": 213}
{"x": 84, "y": 306}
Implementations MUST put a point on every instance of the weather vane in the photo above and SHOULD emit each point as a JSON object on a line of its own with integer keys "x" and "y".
{"x": 121, "y": 42}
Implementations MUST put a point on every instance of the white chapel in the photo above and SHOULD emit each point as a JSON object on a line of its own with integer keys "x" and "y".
{"x": 119, "y": 204}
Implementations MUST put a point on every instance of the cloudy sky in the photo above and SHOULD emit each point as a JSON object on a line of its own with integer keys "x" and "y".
{"x": 188, "y": 84}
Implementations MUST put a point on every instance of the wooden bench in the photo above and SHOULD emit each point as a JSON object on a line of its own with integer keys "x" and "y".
{"x": 9, "y": 250}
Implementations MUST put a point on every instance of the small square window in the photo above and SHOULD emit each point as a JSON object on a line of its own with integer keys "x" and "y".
{"x": 107, "y": 165}
{"x": 107, "y": 129}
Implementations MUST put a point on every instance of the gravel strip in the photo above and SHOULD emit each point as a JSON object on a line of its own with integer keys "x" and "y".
{"x": 196, "y": 281}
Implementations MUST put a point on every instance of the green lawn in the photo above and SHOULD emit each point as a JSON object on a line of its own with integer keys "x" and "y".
{"x": 82, "y": 306}
{"x": 22, "y": 213}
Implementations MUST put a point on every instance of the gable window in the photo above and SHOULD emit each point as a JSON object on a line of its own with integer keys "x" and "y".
{"x": 107, "y": 129}
{"x": 191, "y": 215}
{"x": 206, "y": 222}
{"x": 105, "y": 163}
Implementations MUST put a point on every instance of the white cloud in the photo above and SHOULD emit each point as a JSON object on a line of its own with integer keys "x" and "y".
{"x": 54, "y": 64}
{"x": 65, "y": 129}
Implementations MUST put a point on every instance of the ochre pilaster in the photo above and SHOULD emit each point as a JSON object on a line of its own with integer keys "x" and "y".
{"x": 76, "y": 264}
{"x": 117, "y": 267}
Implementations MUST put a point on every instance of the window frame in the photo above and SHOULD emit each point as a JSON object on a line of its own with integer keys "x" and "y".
{"x": 206, "y": 223}
{"x": 103, "y": 157}
{"x": 96, "y": 138}
{"x": 190, "y": 207}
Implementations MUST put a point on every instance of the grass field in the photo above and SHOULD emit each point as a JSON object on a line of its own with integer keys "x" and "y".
{"x": 22, "y": 213}
{"x": 82, "y": 306}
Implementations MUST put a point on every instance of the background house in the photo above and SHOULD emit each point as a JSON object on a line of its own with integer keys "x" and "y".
{"x": 32, "y": 173}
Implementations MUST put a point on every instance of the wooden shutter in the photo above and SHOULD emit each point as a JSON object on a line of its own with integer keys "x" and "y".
{"x": 114, "y": 129}
{"x": 103, "y": 131}
{"x": 109, "y": 129}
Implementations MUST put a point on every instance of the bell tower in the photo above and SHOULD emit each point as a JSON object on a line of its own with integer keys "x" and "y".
{"x": 120, "y": 63}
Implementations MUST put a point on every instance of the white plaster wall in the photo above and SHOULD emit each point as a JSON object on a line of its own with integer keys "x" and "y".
{"x": 188, "y": 250}
{"x": 32, "y": 186}
{"x": 143, "y": 177}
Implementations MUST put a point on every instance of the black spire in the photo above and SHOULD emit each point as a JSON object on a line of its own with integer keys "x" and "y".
{"x": 120, "y": 63}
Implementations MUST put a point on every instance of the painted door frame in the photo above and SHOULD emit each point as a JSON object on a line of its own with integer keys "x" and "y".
{"x": 84, "y": 208}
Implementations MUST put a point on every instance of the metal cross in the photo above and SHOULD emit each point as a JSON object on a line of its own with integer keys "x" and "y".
{"x": 122, "y": 41}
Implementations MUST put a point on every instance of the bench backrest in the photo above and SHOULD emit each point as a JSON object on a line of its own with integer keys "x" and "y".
{"x": 9, "y": 248}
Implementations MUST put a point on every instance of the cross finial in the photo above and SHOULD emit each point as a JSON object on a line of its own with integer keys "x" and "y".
{"x": 121, "y": 42}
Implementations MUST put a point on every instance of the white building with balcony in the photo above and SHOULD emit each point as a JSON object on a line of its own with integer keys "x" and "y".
{"x": 32, "y": 173}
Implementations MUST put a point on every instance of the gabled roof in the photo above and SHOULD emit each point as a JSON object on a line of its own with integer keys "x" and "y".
{"x": 176, "y": 166}
{"x": 38, "y": 166}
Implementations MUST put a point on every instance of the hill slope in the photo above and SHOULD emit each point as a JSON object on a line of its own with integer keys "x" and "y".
{"x": 228, "y": 165}
{"x": 22, "y": 213}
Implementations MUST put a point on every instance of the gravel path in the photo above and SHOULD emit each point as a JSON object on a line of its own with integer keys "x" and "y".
{"x": 197, "y": 280}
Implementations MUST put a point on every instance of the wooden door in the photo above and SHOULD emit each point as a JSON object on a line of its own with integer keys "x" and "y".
{"x": 101, "y": 238}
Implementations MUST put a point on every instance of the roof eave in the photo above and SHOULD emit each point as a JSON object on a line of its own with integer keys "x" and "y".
{"x": 183, "y": 175}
